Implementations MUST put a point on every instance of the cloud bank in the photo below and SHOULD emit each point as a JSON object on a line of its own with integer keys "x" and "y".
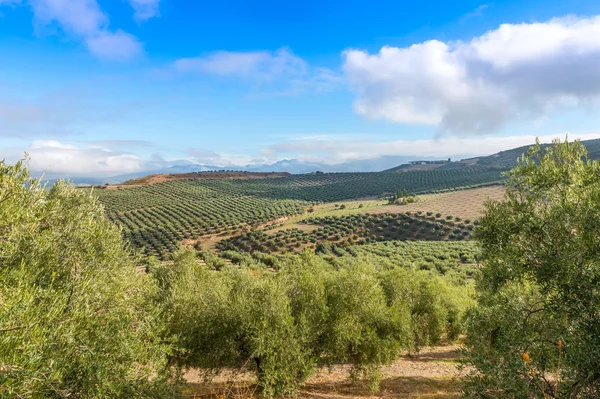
{"x": 333, "y": 151}
{"x": 516, "y": 72}
{"x": 60, "y": 159}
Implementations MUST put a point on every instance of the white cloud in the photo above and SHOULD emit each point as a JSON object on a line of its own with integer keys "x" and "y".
{"x": 207, "y": 157}
{"x": 279, "y": 68}
{"x": 76, "y": 17}
{"x": 114, "y": 46}
{"x": 516, "y": 72}
{"x": 60, "y": 159}
{"x": 85, "y": 21}
{"x": 256, "y": 65}
{"x": 144, "y": 9}
{"x": 334, "y": 151}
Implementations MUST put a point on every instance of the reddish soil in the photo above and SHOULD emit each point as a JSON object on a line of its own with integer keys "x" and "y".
{"x": 160, "y": 178}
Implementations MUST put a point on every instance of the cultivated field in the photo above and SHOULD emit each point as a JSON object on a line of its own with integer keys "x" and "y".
{"x": 462, "y": 203}
{"x": 350, "y": 230}
{"x": 466, "y": 204}
{"x": 157, "y": 218}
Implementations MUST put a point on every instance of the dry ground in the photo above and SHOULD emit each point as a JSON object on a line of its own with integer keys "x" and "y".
{"x": 217, "y": 175}
{"x": 465, "y": 203}
{"x": 431, "y": 374}
{"x": 468, "y": 204}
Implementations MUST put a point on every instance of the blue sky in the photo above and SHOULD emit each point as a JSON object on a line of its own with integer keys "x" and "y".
{"x": 93, "y": 87}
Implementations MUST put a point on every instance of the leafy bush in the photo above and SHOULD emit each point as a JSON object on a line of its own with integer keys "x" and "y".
{"x": 76, "y": 318}
{"x": 539, "y": 283}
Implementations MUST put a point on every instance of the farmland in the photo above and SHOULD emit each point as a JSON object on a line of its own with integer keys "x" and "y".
{"x": 156, "y": 218}
{"x": 439, "y": 256}
{"x": 467, "y": 204}
{"x": 338, "y": 223}
{"x": 346, "y": 231}
{"x": 298, "y": 296}
{"x": 464, "y": 203}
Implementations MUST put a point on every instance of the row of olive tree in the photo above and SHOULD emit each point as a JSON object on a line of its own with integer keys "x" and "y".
{"x": 284, "y": 325}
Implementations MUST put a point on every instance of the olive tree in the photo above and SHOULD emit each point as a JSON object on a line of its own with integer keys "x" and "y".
{"x": 75, "y": 316}
{"x": 538, "y": 291}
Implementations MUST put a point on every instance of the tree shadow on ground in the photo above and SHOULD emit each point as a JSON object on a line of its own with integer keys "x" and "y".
{"x": 397, "y": 387}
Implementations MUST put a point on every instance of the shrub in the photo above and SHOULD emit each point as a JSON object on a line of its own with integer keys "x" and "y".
{"x": 219, "y": 320}
{"x": 538, "y": 284}
{"x": 77, "y": 319}
{"x": 361, "y": 329}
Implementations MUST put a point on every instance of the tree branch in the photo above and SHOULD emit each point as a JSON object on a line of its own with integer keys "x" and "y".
{"x": 11, "y": 329}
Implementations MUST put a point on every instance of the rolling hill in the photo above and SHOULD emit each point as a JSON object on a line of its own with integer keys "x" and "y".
{"x": 158, "y": 213}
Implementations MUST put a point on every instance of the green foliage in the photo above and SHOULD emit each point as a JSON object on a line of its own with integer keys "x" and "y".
{"x": 539, "y": 283}
{"x": 401, "y": 197}
{"x": 435, "y": 306}
{"x": 284, "y": 324}
{"x": 76, "y": 318}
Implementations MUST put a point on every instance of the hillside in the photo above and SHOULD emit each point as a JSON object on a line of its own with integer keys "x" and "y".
{"x": 159, "y": 212}
{"x": 209, "y": 175}
{"x": 156, "y": 218}
{"x": 503, "y": 159}
{"x": 508, "y": 158}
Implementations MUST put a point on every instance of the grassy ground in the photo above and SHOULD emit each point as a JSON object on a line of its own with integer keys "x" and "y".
{"x": 430, "y": 374}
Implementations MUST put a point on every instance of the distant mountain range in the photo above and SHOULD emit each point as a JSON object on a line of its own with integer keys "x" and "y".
{"x": 290, "y": 165}
{"x": 504, "y": 159}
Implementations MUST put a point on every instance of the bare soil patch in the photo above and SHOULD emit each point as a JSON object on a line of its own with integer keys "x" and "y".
{"x": 465, "y": 203}
{"x": 433, "y": 373}
{"x": 218, "y": 175}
